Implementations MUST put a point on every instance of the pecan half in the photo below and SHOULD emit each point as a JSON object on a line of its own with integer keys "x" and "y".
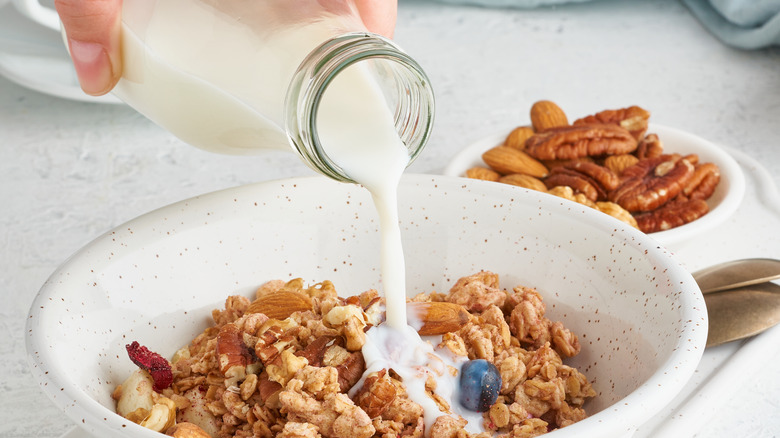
{"x": 578, "y": 182}
{"x": 703, "y": 182}
{"x": 606, "y": 178}
{"x": 231, "y": 352}
{"x": 351, "y": 370}
{"x": 584, "y": 177}
{"x": 569, "y": 142}
{"x": 674, "y": 214}
{"x": 649, "y": 147}
{"x": 650, "y": 183}
{"x": 633, "y": 118}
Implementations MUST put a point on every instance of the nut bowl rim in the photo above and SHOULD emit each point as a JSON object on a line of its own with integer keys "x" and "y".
{"x": 730, "y": 191}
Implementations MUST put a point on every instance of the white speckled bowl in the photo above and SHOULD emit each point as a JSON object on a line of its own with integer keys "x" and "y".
{"x": 723, "y": 202}
{"x": 640, "y": 317}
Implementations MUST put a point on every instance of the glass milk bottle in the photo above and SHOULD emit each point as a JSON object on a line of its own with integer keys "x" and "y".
{"x": 239, "y": 76}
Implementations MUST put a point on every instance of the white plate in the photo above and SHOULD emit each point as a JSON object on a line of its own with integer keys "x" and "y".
{"x": 35, "y": 57}
{"x": 723, "y": 203}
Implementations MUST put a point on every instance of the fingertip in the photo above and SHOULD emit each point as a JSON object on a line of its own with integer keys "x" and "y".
{"x": 93, "y": 31}
{"x": 93, "y": 67}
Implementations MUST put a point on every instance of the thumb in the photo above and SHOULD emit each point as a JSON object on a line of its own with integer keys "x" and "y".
{"x": 378, "y": 15}
{"x": 92, "y": 28}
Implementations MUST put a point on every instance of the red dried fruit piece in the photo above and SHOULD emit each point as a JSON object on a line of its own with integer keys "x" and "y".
{"x": 153, "y": 363}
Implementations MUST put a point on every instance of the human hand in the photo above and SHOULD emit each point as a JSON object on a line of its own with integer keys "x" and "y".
{"x": 93, "y": 31}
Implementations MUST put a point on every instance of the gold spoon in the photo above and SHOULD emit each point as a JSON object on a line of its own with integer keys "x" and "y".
{"x": 741, "y": 301}
{"x": 737, "y": 273}
{"x": 743, "y": 312}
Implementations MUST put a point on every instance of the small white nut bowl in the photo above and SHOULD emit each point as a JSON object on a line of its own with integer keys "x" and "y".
{"x": 640, "y": 317}
{"x": 723, "y": 202}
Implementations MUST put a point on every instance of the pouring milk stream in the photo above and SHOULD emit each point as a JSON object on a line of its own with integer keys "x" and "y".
{"x": 239, "y": 77}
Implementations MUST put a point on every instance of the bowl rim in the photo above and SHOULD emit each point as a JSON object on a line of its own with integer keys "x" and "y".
{"x": 731, "y": 174}
{"x": 680, "y": 366}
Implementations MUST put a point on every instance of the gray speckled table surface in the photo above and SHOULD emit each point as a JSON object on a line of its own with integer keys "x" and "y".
{"x": 70, "y": 170}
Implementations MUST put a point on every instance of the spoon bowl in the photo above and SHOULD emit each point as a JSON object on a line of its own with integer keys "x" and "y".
{"x": 743, "y": 312}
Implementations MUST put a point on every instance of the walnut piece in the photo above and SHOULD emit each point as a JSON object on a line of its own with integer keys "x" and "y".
{"x": 376, "y": 394}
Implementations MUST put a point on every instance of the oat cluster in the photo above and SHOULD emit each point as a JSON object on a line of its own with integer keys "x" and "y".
{"x": 290, "y": 375}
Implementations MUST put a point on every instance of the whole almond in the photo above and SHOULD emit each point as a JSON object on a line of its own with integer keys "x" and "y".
{"x": 280, "y": 305}
{"x": 439, "y": 318}
{"x": 526, "y": 181}
{"x": 516, "y": 139}
{"x": 506, "y": 160}
{"x": 546, "y": 115}
{"x": 482, "y": 173}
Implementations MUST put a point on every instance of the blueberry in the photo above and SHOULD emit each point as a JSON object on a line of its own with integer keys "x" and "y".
{"x": 480, "y": 382}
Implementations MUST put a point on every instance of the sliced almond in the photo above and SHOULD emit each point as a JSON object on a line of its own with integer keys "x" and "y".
{"x": 280, "y": 305}
{"x": 546, "y": 115}
{"x": 506, "y": 160}
{"x": 439, "y": 318}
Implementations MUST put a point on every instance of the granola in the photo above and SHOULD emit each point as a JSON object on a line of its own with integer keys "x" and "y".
{"x": 249, "y": 375}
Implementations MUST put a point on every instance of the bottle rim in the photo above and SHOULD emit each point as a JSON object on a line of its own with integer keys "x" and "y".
{"x": 318, "y": 70}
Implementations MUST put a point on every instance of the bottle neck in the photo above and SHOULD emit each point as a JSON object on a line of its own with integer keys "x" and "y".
{"x": 405, "y": 90}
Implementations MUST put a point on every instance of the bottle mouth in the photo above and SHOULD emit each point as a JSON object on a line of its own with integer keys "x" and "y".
{"x": 405, "y": 86}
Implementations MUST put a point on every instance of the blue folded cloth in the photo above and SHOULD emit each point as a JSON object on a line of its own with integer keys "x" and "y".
{"x": 746, "y": 24}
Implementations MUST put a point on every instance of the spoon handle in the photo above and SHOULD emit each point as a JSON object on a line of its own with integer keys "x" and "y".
{"x": 737, "y": 273}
